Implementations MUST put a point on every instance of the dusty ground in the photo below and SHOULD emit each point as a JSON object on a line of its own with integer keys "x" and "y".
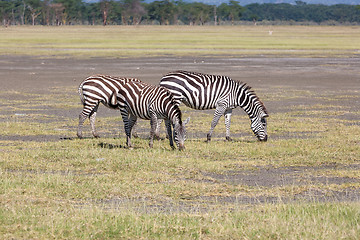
{"x": 269, "y": 77}
{"x": 278, "y": 81}
{"x": 317, "y": 74}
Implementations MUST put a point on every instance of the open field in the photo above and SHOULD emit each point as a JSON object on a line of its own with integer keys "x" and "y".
{"x": 123, "y": 41}
{"x": 304, "y": 183}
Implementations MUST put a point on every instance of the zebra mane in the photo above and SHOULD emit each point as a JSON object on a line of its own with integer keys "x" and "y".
{"x": 251, "y": 93}
{"x": 188, "y": 72}
{"x": 126, "y": 79}
{"x": 174, "y": 102}
{"x": 178, "y": 113}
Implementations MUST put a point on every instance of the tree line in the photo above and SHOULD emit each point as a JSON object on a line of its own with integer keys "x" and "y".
{"x": 165, "y": 12}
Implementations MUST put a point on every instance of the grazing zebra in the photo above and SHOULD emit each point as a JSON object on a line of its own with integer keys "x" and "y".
{"x": 137, "y": 99}
{"x": 202, "y": 91}
{"x": 96, "y": 89}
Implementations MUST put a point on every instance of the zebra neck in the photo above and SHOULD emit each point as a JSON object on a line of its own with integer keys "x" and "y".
{"x": 174, "y": 119}
{"x": 174, "y": 116}
{"x": 247, "y": 100}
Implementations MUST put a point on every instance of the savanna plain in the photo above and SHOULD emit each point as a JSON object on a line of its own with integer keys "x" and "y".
{"x": 303, "y": 183}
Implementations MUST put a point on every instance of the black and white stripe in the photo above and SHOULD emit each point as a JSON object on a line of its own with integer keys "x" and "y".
{"x": 138, "y": 99}
{"x": 96, "y": 89}
{"x": 202, "y": 91}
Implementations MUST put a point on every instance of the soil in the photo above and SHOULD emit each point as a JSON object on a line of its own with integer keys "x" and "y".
{"x": 317, "y": 78}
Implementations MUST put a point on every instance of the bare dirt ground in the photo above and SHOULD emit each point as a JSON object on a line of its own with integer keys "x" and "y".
{"x": 265, "y": 75}
{"x": 269, "y": 77}
{"x": 318, "y": 74}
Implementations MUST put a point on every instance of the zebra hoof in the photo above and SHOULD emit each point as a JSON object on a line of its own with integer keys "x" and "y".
{"x": 228, "y": 139}
{"x": 135, "y": 135}
{"x": 208, "y": 138}
{"x": 158, "y": 138}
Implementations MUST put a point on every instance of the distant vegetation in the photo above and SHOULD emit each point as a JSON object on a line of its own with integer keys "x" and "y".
{"x": 135, "y": 12}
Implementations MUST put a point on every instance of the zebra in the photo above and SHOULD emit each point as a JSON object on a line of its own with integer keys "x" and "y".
{"x": 92, "y": 91}
{"x": 203, "y": 91}
{"x": 138, "y": 99}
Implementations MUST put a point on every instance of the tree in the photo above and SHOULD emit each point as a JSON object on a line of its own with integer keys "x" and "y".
{"x": 93, "y": 13}
{"x": 162, "y": 11}
{"x": 300, "y": 3}
{"x": 34, "y": 7}
{"x": 195, "y": 13}
{"x": 45, "y": 12}
{"x": 23, "y": 9}
{"x": 230, "y": 12}
{"x": 72, "y": 10}
{"x": 5, "y": 9}
{"x": 201, "y": 13}
{"x": 58, "y": 9}
{"x": 132, "y": 12}
{"x": 104, "y": 6}
{"x": 56, "y": 12}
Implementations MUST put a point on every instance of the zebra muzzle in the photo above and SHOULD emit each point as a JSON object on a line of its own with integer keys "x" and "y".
{"x": 181, "y": 147}
{"x": 263, "y": 139}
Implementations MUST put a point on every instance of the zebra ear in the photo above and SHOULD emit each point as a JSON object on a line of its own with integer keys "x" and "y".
{"x": 186, "y": 121}
{"x": 113, "y": 99}
{"x": 265, "y": 115}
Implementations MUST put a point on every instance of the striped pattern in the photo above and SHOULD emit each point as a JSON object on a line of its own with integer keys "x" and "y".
{"x": 96, "y": 89}
{"x": 202, "y": 91}
{"x": 138, "y": 99}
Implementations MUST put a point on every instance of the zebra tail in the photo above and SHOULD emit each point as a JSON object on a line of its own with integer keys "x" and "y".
{"x": 80, "y": 90}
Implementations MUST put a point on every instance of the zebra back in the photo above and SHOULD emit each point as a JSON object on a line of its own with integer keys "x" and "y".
{"x": 197, "y": 90}
{"x": 100, "y": 88}
{"x": 204, "y": 91}
{"x": 142, "y": 99}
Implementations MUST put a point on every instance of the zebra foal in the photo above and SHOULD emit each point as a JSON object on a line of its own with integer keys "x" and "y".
{"x": 138, "y": 99}
{"x": 94, "y": 90}
{"x": 203, "y": 91}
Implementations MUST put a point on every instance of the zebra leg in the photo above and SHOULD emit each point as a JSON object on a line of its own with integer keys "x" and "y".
{"x": 134, "y": 127}
{"x": 227, "y": 115}
{"x": 153, "y": 123}
{"x": 157, "y": 130}
{"x": 219, "y": 111}
{"x": 88, "y": 111}
{"x": 169, "y": 133}
{"x": 133, "y": 131}
{"x": 82, "y": 119}
{"x": 132, "y": 123}
{"x": 92, "y": 118}
{"x": 125, "y": 117}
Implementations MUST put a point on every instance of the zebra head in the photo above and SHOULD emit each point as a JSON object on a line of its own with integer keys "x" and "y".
{"x": 258, "y": 125}
{"x": 180, "y": 133}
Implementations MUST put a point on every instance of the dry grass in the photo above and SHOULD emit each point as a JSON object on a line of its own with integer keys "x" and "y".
{"x": 96, "y": 188}
{"x": 125, "y": 41}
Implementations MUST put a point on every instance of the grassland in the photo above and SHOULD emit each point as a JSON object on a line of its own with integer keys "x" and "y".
{"x": 98, "y": 189}
{"x": 123, "y": 41}
{"x": 303, "y": 183}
